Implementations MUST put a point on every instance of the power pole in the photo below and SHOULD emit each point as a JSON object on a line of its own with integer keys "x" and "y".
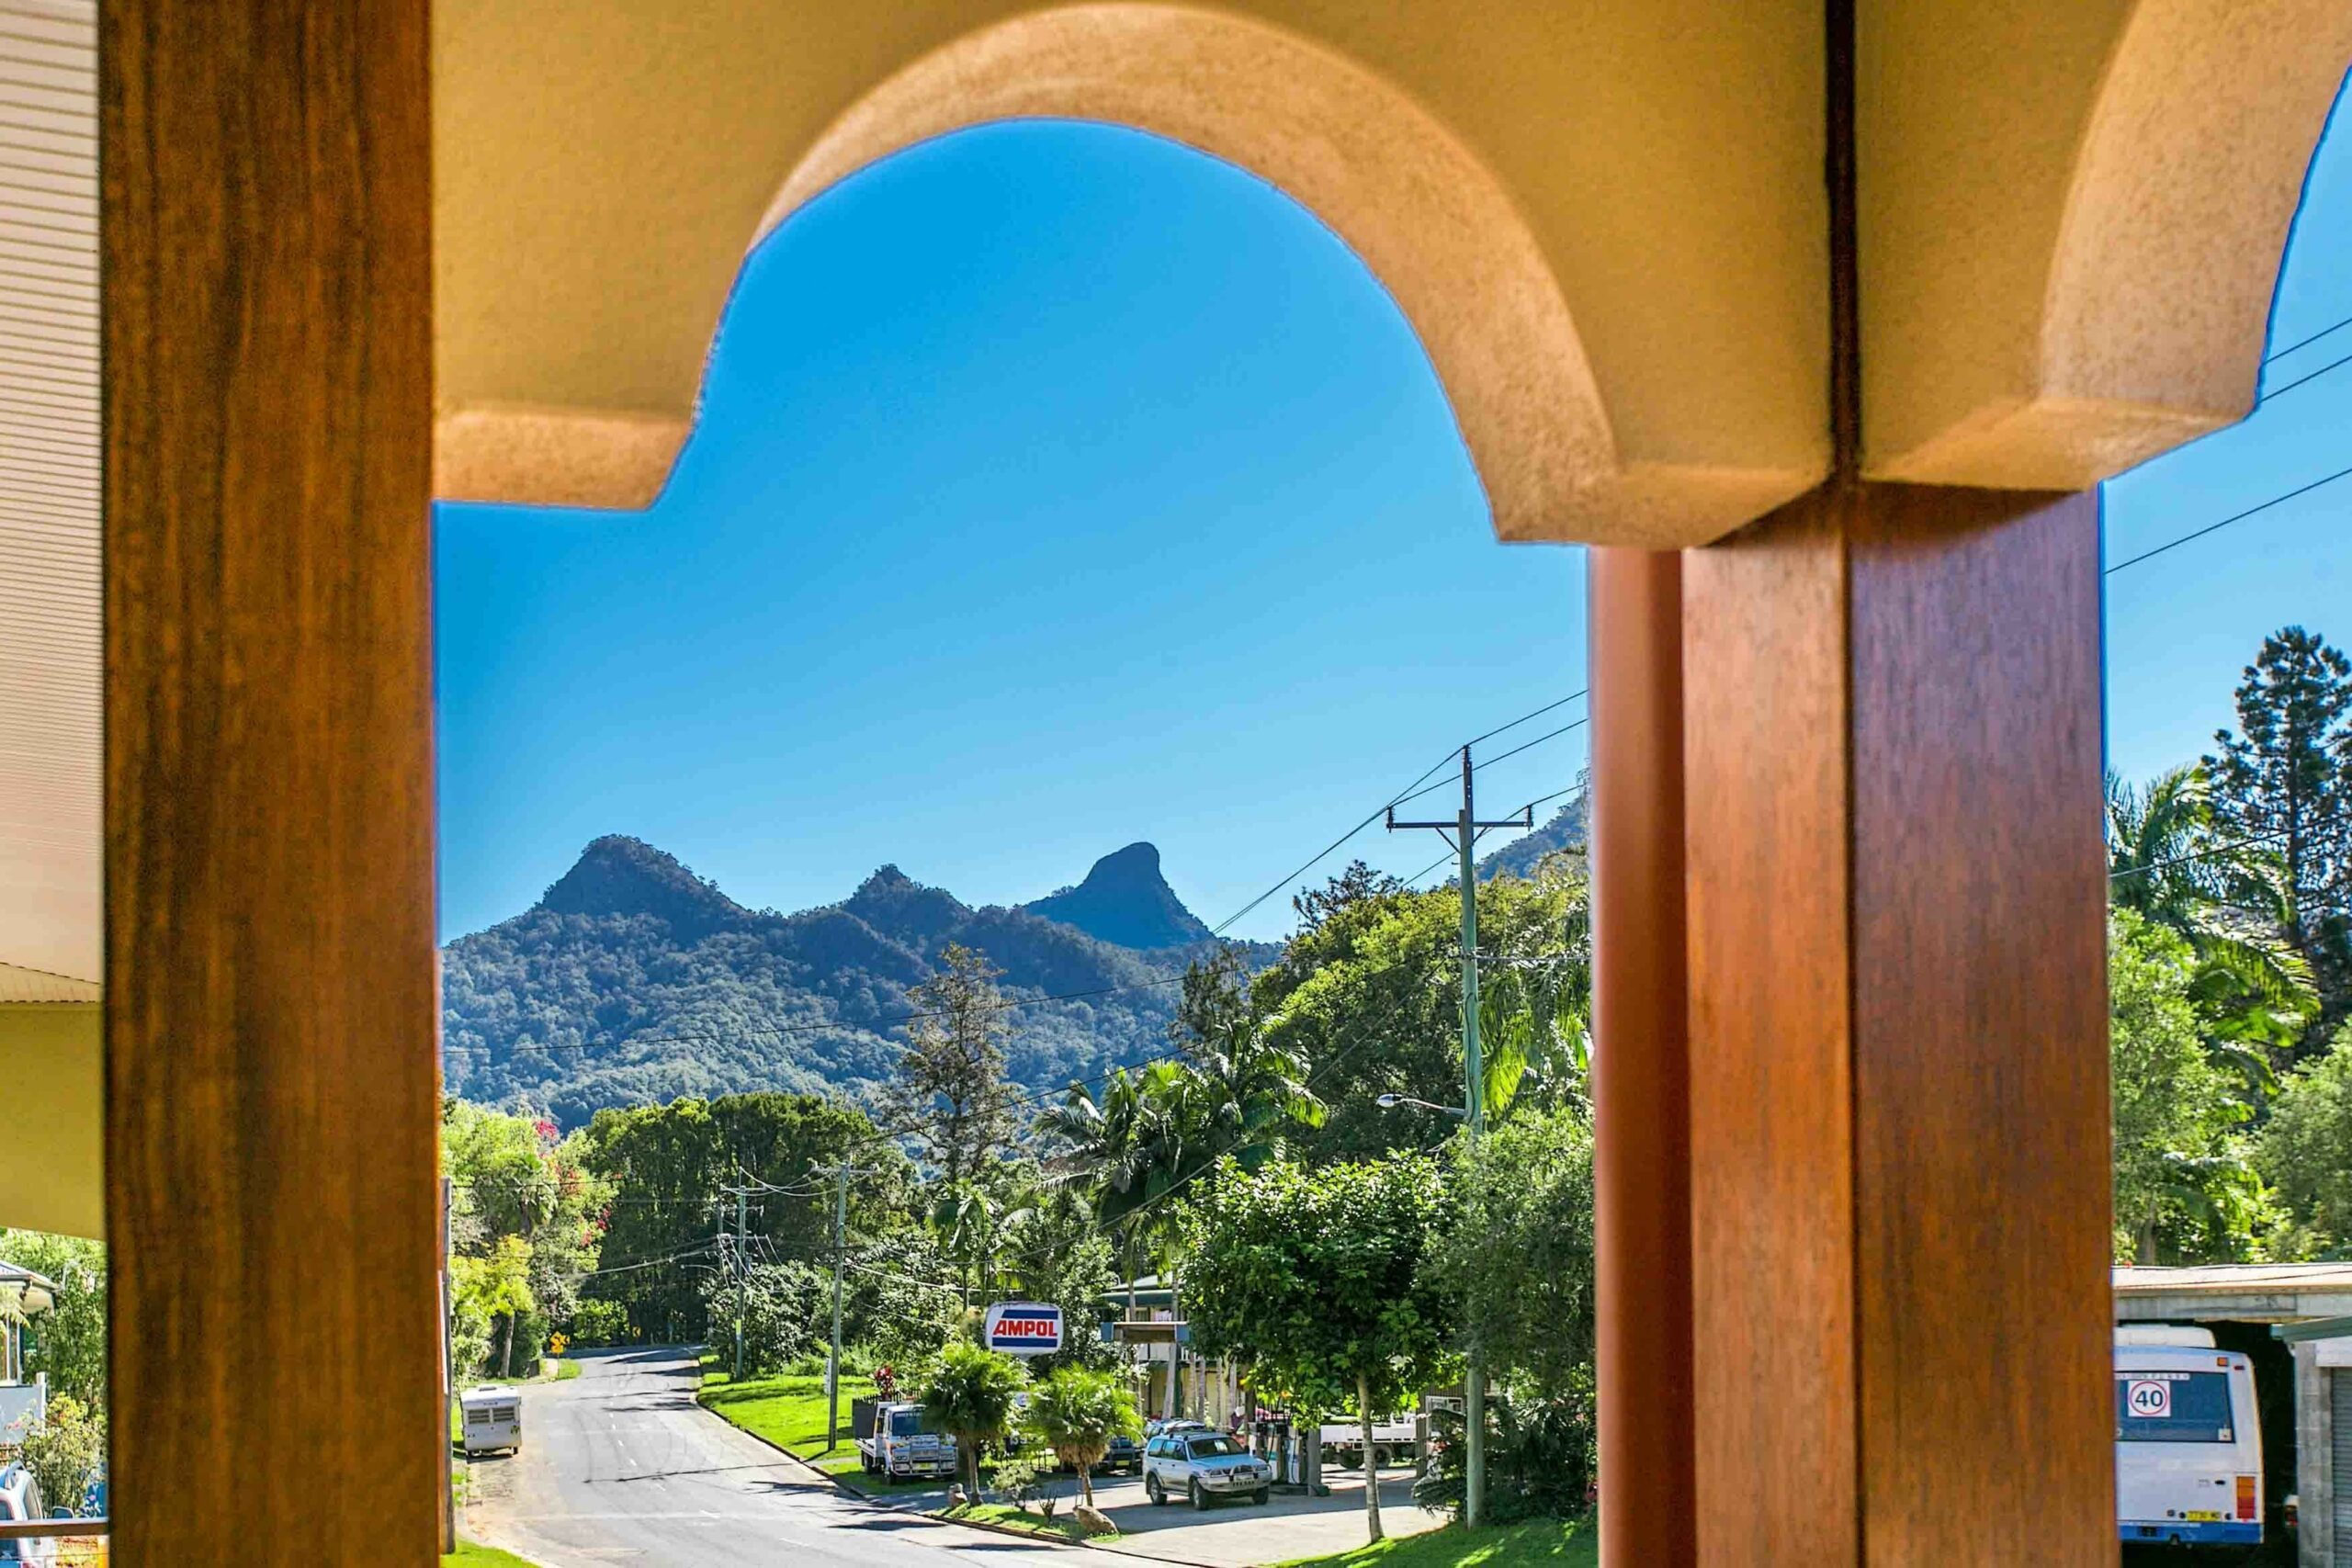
{"x": 1466, "y": 828}
{"x": 743, "y": 1271}
{"x": 840, "y": 1256}
{"x": 448, "y": 1378}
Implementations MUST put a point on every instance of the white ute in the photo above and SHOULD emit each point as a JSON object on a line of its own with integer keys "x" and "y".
{"x": 894, "y": 1441}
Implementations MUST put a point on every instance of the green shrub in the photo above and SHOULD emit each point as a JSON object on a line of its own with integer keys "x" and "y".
{"x": 65, "y": 1454}
{"x": 600, "y": 1323}
{"x": 1539, "y": 1458}
{"x": 968, "y": 1394}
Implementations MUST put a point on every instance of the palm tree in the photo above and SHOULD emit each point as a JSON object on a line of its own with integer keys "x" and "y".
{"x": 2229, "y": 898}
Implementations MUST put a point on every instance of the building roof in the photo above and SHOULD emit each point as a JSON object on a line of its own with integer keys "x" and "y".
{"x": 25, "y": 1290}
{"x": 19, "y": 985}
{"x": 2255, "y": 1292}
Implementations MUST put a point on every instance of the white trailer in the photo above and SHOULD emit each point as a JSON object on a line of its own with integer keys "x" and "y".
{"x": 490, "y": 1418}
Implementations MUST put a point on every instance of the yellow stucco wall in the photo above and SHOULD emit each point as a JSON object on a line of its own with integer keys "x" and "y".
{"x": 52, "y": 1086}
{"x": 1605, "y": 220}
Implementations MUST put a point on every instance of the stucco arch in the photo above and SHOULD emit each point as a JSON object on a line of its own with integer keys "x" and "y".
{"x": 1425, "y": 216}
{"x": 2133, "y": 251}
{"x": 1620, "y": 296}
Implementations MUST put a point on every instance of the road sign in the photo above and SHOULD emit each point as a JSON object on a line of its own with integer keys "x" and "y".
{"x": 1023, "y": 1328}
{"x": 2149, "y": 1399}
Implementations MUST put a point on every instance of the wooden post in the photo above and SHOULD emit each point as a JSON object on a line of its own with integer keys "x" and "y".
{"x": 1899, "y": 1095}
{"x": 272, "y": 1083}
{"x": 1641, "y": 1067}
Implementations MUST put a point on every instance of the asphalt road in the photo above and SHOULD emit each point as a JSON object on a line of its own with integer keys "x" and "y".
{"x": 620, "y": 1466}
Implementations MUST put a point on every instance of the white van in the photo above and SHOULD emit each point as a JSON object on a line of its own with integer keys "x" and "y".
{"x": 492, "y": 1419}
{"x": 2188, "y": 1440}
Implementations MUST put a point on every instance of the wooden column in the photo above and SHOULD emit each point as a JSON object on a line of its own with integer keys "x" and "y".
{"x": 1641, "y": 1070}
{"x": 271, "y": 1091}
{"x": 1899, "y": 1096}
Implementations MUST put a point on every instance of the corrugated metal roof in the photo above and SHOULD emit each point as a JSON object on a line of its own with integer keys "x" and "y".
{"x": 18, "y": 984}
{"x": 50, "y": 657}
{"x": 2230, "y": 1279}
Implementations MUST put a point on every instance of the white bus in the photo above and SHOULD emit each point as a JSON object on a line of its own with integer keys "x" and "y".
{"x": 2188, "y": 1442}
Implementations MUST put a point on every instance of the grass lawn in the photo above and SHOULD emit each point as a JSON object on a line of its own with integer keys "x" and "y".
{"x": 788, "y": 1410}
{"x": 1540, "y": 1543}
{"x": 469, "y": 1555}
{"x": 1061, "y": 1526}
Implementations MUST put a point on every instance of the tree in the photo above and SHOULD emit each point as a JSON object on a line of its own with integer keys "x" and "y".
{"x": 951, "y": 1094}
{"x": 1320, "y": 1280}
{"x": 2226, "y": 896}
{"x": 1515, "y": 1262}
{"x": 488, "y": 1288}
{"x": 65, "y": 1454}
{"x": 2184, "y": 1189}
{"x": 1369, "y": 1000}
{"x": 663, "y": 1167}
{"x": 786, "y": 1307}
{"x": 1075, "y": 1412}
{"x": 894, "y": 1305}
{"x": 2286, "y": 778}
{"x": 2306, "y": 1153}
{"x": 68, "y": 1343}
{"x": 969, "y": 1397}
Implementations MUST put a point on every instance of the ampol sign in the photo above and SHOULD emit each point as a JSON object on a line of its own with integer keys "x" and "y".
{"x": 1023, "y": 1328}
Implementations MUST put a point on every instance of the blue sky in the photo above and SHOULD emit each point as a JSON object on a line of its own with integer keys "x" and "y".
{"x": 1057, "y": 487}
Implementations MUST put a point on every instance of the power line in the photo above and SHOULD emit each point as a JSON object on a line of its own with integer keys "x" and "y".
{"x": 2211, "y": 854}
{"x": 1522, "y": 719}
{"x": 1539, "y": 741}
{"x": 1411, "y": 791}
{"x": 2233, "y": 517}
{"x": 2267, "y": 397}
{"x": 2307, "y": 341}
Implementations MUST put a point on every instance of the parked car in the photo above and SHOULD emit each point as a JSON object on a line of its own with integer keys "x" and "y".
{"x": 1203, "y": 1466}
{"x": 1125, "y": 1453}
{"x": 20, "y": 1502}
{"x": 1164, "y": 1424}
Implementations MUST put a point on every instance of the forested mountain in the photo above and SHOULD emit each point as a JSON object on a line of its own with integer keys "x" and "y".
{"x": 633, "y": 981}
{"x": 1563, "y": 830}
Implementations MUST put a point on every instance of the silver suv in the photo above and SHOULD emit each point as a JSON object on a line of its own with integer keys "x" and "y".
{"x": 1203, "y": 1466}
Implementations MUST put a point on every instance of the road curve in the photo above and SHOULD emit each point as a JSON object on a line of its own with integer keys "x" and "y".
{"x": 619, "y": 1465}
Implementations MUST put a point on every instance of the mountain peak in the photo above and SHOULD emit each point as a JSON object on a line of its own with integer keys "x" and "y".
{"x": 1124, "y": 900}
{"x": 898, "y": 907}
{"x": 620, "y": 875}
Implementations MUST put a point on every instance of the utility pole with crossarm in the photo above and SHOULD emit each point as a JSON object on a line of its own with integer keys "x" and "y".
{"x": 1465, "y": 831}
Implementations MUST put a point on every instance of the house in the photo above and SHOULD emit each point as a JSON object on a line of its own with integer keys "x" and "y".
{"x": 24, "y": 1403}
{"x": 1819, "y": 320}
{"x": 1140, "y": 1320}
{"x": 48, "y": 1059}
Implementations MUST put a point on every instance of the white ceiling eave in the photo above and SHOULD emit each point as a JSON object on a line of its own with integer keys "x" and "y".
{"x": 50, "y": 438}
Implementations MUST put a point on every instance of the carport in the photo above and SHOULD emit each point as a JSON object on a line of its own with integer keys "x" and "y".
{"x": 2295, "y": 1320}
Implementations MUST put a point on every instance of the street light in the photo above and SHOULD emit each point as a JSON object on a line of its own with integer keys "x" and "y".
{"x": 1391, "y": 1101}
